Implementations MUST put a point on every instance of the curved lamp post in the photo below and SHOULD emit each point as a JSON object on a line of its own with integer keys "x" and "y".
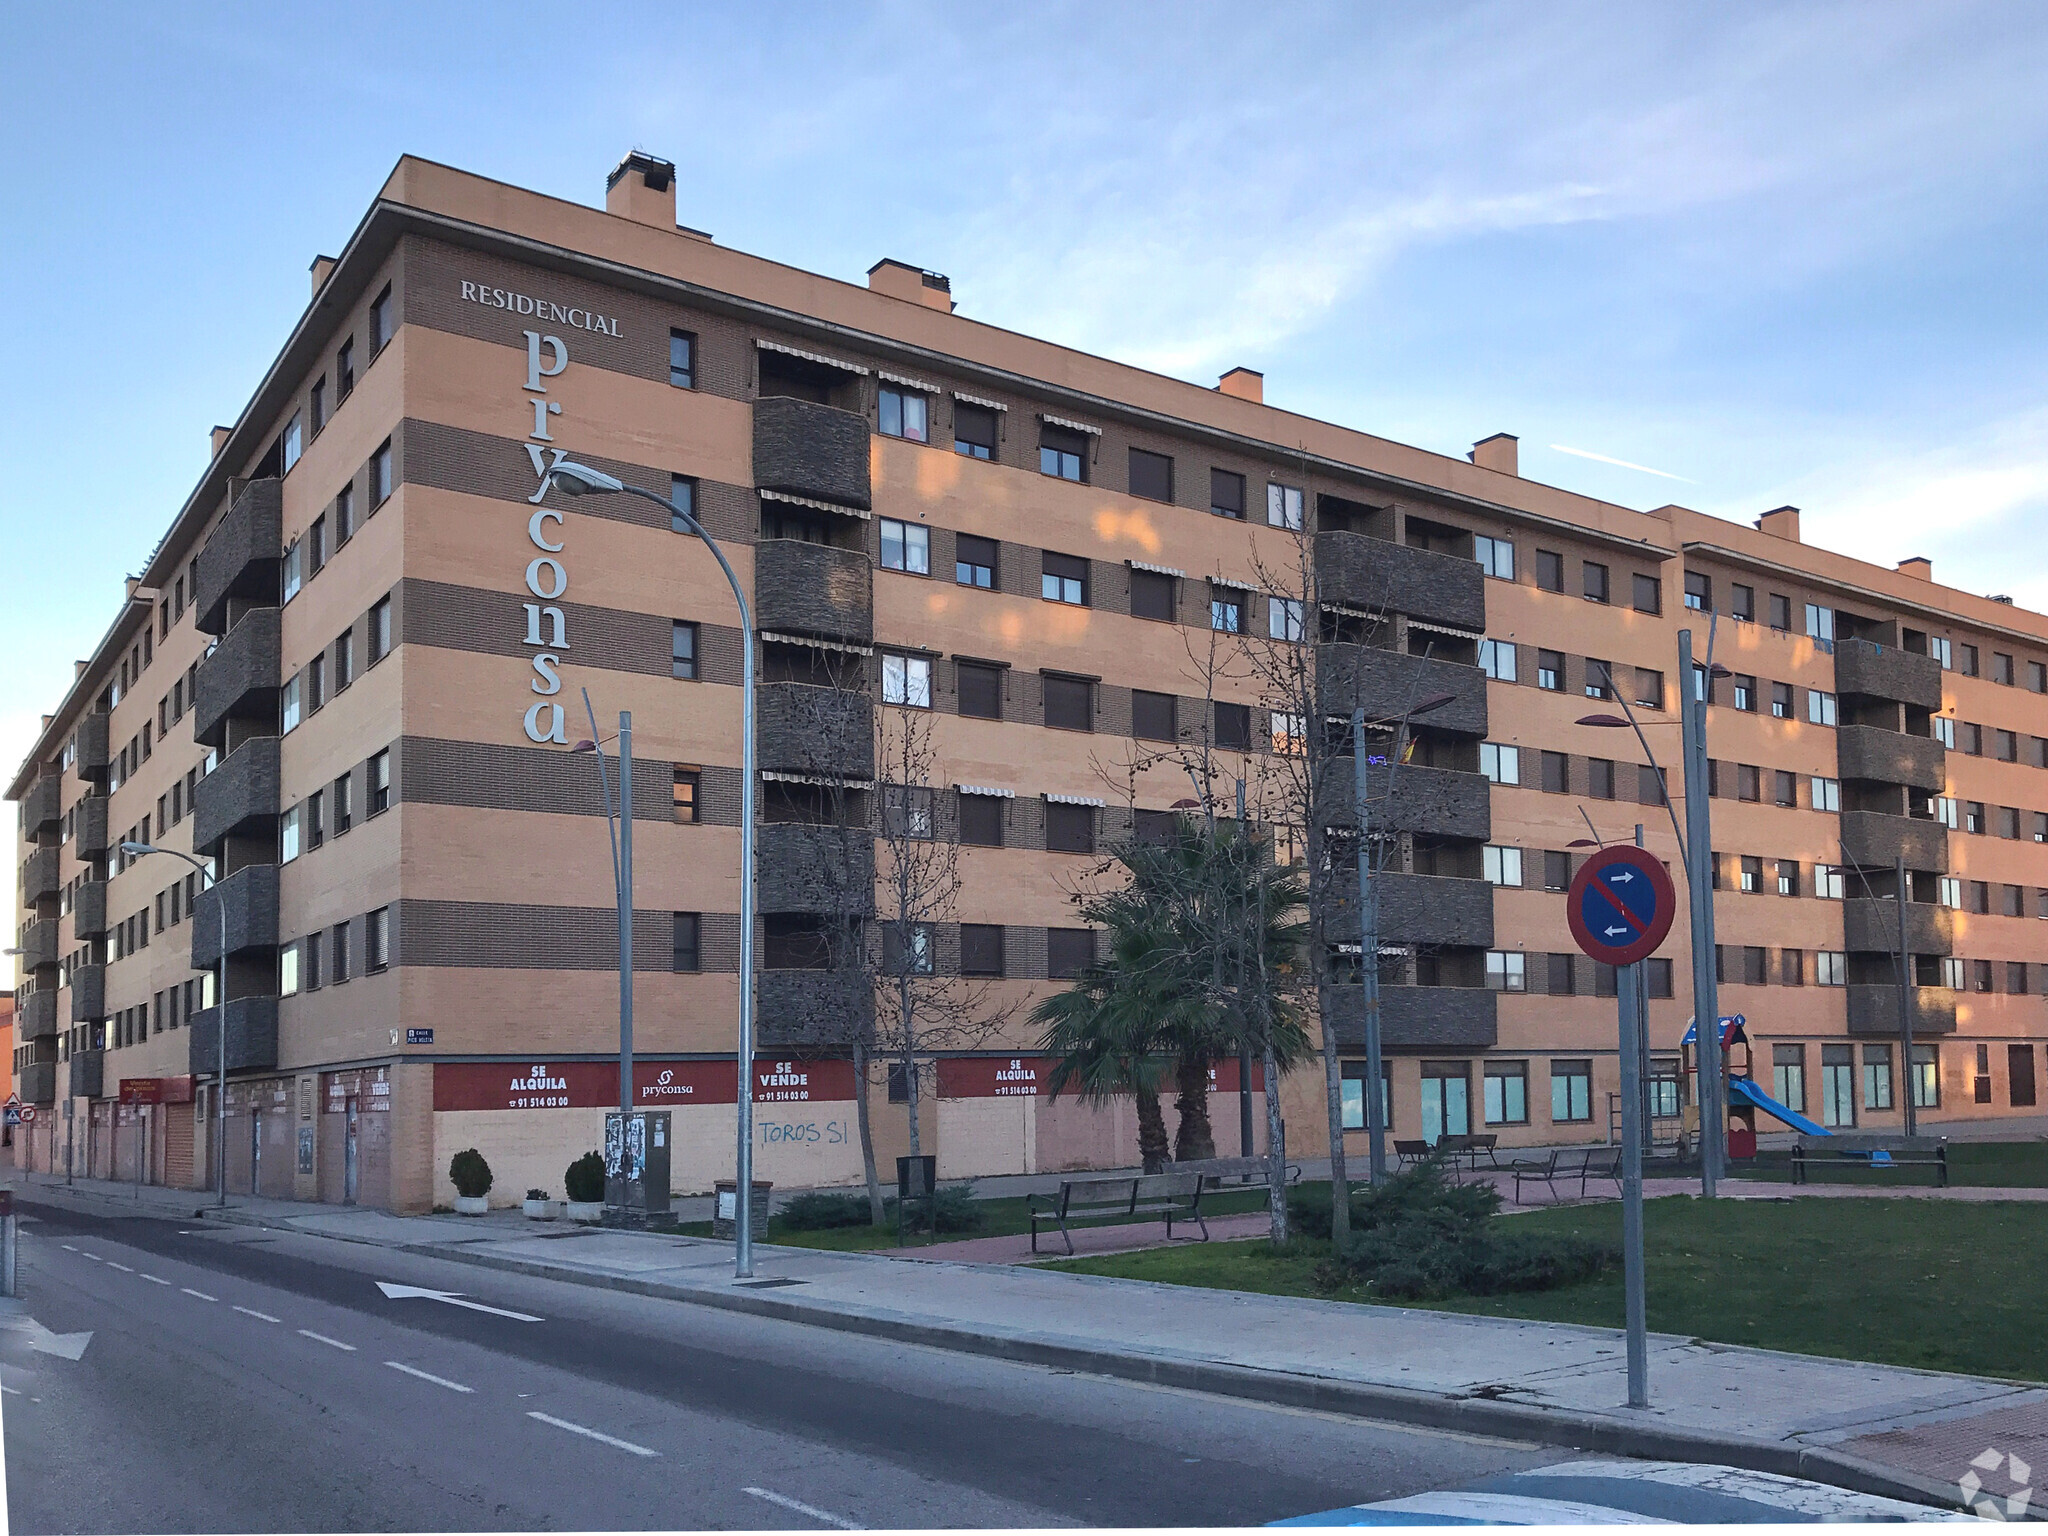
{"x": 220, "y": 1022}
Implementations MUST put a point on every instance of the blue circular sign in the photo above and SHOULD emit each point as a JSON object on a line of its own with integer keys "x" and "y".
{"x": 1621, "y": 904}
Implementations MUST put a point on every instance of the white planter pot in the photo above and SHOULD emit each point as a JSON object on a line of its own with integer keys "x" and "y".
{"x": 589, "y": 1212}
{"x": 540, "y": 1210}
{"x": 472, "y": 1205}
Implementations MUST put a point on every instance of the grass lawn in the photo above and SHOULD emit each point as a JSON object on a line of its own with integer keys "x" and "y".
{"x": 1948, "y": 1287}
{"x": 1976, "y": 1164}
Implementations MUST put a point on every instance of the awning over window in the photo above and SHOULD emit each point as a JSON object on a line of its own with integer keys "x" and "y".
{"x": 810, "y": 357}
{"x": 983, "y": 789}
{"x": 907, "y": 382}
{"x": 966, "y": 399}
{"x": 1074, "y": 800}
{"x": 821, "y": 506}
{"x": 815, "y": 778}
{"x": 819, "y": 645}
{"x": 1157, "y": 570}
{"x": 1071, "y": 426}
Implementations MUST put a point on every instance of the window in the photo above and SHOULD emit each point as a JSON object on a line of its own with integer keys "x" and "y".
{"x": 380, "y": 782}
{"x": 682, "y": 649}
{"x": 289, "y": 705}
{"x": 2037, "y": 676}
{"x": 685, "y": 804}
{"x": 317, "y": 404}
{"x": 1752, "y": 874}
{"x": 316, "y": 819}
{"x": 1505, "y": 971}
{"x": 981, "y": 949}
{"x": 2001, "y": 668}
{"x": 344, "y": 370}
{"x": 1496, "y": 557}
{"x": 1550, "y": 671}
{"x": 1069, "y": 828}
{"x": 2008, "y": 822}
{"x": 1600, "y": 778}
{"x": 974, "y": 430}
{"x": 1943, "y": 730}
{"x": 1649, "y": 594}
{"x": 1152, "y": 596}
{"x": 981, "y": 690}
{"x": 380, "y": 475}
{"x": 1742, "y": 601}
{"x": 1226, "y": 610}
{"x": 344, "y": 515}
{"x": 1828, "y": 881}
{"x": 380, "y": 321}
{"x": 1595, "y": 582}
{"x": 1286, "y": 619}
{"x": 1788, "y": 1076}
{"x": 1507, "y": 1092}
{"x": 974, "y": 562}
{"x": 1938, "y": 648}
{"x": 1234, "y": 727}
{"x": 1562, "y": 980}
{"x": 981, "y": 820}
{"x": 1445, "y": 1112}
{"x": 1664, "y": 1087}
{"x": 1502, "y": 866}
{"x": 1980, "y": 976}
{"x": 1500, "y": 764}
{"x": 1945, "y": 810}
{"x": 1283, "y": 507}
{"x": 1788, "y": 877}
{"x": 344, "y": 789}
{"x": 1791, "y": 968}
{"x": 1557, "y": 773}
{"x": 1065, "y": 580}
{"x": 1599, "y": 679}
{"x": 1063, "y": 454}
{"x": 1781, "y": 611}
{"x": 686, "y": 942}
{"x": 316, "y": 681}
{"x": 1820, "y": 624}
{"x": 1826, "y": 793}
{"x": 1699, "y": 591}
{"x": 1838, "y": 1085}
{"x": 2016, "y": 977}
{"x": 1954, "y": 971}
{"x": 907, "y": 811}
{"x": 1289, "y": 733}
{"x": 908, "y": 949}
{"x": 901, "y": 413}
{"x": 2013, "y": 902}
{"x": 1649, "y": 688}
{"x": 377, "y": 940}
{"x": 1226, "y": 494}
{"x": 1353, "y": 1103}
{"x": 682, "y": 365}
{"x": 1557, "y": 870}
{"x": 1820, "y": 707}
{"x": 1973, "y": 816}
{"x": 288, "y": 971}
{"x": 682, "y": 492}
{"x": 2019, "y": 1076}
{"x": 1549, "y": 570}
{"x": 1068, "y": 951}
{"x": 1980, "y": 1083}
{"x": 2005, "y": 746}
{"x": 1877, "y": 1076}
{"x": 294, "y": 569}
{"x": 1755, "y": 966}
{"x": 1152, "y": 716}
{"x": 906, "y": 547}
{"x": 907, "y": 680}
{"x": 1830, "y": 969}
{"x": 1151, "y": 475}
{"x": 288, "y": 835}
{"x": 1069, "y": 702}
{"x": 380, "y": 629}
{"x": 1781, "y": 701}
{"x": 1571, "y": 1091}
{"x": 1926, "y": 1078}
{"x": 1749, "y": 782}
{"x": 1497, "y": 660}
{"x": 1745, "y": 693}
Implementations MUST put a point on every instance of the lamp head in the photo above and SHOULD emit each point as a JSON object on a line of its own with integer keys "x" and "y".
{"x": 585, "y": 745}
{"x": 1605, "y": 722}
{"x": 136, "y": 850}
{"x": 1583, "y": 842}
{"x": 1434, "y": 701}
{"x": 573, "y": 479}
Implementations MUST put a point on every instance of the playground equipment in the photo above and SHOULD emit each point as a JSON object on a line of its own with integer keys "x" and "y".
{"x": 1744, "y": 1097}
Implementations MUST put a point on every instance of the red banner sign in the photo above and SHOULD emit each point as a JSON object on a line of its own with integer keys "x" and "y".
{"x": 656, "y": 1084}
{"x": 142, "y": 1090}
{"x": 992, "y": 1077}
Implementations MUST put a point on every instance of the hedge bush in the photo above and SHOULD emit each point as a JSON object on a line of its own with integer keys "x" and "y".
{"x": 583, "y": 1180}
{"x": 820, "y": 1209}
{"x": 470, "y": 1174}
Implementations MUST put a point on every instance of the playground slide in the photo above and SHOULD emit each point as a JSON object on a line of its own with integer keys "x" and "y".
{"x": 1746, "y": 1088}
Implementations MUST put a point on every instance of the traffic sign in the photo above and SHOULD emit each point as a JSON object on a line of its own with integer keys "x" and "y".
{"x": 28, "y": 1114}
{"x": 1621, "y": 905}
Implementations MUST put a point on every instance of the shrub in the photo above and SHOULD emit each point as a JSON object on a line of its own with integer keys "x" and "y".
{"x": 583, "y": 1180}
{"x": 818, "y": 1210}
{"x": 470, "y": 1174}
{"x": 536, "y": 1194}
{"x": 953, "y": 1209}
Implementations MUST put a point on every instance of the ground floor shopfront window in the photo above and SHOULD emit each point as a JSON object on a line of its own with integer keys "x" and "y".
{"x": 1446, "y": 1110}
{"x": 1353, "y": 1082}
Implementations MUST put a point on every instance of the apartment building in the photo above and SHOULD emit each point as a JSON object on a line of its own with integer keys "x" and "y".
{"x": 348, "y": 682}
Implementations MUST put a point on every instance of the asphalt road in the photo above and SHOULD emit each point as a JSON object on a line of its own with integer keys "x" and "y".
{"x": 239, "y": 1379}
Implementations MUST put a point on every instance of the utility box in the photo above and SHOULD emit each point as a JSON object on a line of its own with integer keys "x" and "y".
{"x": 636, "y": 1154}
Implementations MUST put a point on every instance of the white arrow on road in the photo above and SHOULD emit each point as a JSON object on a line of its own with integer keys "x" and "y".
{"x": 453, "y": 1298}
{"x": 66, "y": 1346}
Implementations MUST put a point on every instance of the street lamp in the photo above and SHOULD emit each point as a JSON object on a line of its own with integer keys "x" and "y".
{"x": 575, "y": 479}
{"x": 621, "y": 833}
{"x": 1369, "y": 928}
{"x": 220, "y": 1006}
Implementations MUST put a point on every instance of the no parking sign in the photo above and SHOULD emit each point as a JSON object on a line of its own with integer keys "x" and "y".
{"x": 1621, "y": 905}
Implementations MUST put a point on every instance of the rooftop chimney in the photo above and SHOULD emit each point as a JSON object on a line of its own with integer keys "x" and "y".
{"x": 642, "y": 188}
{"x": 220, "y": 439}
{"x": 1781, "y": 522}
{"x": 1501, "y": 452}
{"x": 1245, "y": 384}
{"x": 1919, "y": 566}
{"x": 322, "y": 266}
{"x": 900, "y": 280}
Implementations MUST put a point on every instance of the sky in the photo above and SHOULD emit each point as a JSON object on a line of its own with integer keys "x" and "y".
{"x": 1764, "y": 254}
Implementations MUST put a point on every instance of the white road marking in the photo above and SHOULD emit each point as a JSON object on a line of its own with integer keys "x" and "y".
{"x": 121, "y": 1267}
{"x": 84, "y": 1255}
{"x": 14, "y": 1391}
{"x": 591, "y": 1434}
{"x": 804, "y": 1509}
{"x": 153, "y": 1280}
{"x": 200, "y": 1294}
{"x": 68, "y": 1248}
{"x": 439, "y": 1381}
{"x": 453, "y": 1298}
{"x": 323, "y": 1339}
{"x": 252, "y": 1312}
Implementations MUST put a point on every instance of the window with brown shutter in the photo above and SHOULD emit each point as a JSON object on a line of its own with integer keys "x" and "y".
{"x": 1152, "y": 716}
{"x": 1069, "y": 828}
{"x": 1151, "y": 475}
{"x": 1068, "y": 951}
{"x": 1557, "y": 775}
{"x": 1561, "y": 982}
{"x": 1069, "y": 703}
{"x": 1153, "y": 828}
{"x": 981, "y": 690}
{"x": 1151, "y": 595}
{"x": 1226, "y": 494}
{"x": 981, "y": 820}
{"x": 1234, "y": 727}
{"x": 981, "y": 949}
{"x": 1600, "y": 778}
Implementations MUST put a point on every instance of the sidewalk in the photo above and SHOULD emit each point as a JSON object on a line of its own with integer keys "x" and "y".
{"x": 1879, "y": 1429}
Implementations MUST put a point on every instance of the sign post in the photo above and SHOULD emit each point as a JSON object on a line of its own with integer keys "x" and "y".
{"x": 1620, "y": 908}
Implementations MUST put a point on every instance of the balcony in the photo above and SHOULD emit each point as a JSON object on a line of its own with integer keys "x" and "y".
{"x": 89, "y": 827}
{"x": 252, "y": 1037}
{"x": 807, "y": 868}
{"x": 88, "y": 1074}
{"x": 241, "y": 795}
{"x": 239, "y": 678}
{"x": 1422, "y": 909}
{"x": 1886, "y": 672}
{"x": 1874, "y": 1010}
{"x": 814, "y": 1009}
{"x": 1873, "y": 839}
{"x": 1417, "y": 1018}
{"x": 1890, "y": 757}
{"x": 39, "y": 876}
{"x": 88, "y": 994}
{"x": 828, "y": 732}
{"x": 35, "y": 1015}
{"x": 1379, "y": 576}
{"x": 92, "y": 744}
{"x": 243, "y": 557}
{"x": 1384, "y": 683}
{"x": 250, "y": 895}
{"x": 814, "y": 589}
{"x": 89, "y": 910}
{"x": 806, "y": 449}
{"x": 1444, "y": 802}
{"x": 39, "y": 943}
{"x": 43, "y": 805}
{"x": 37, "y": 1082}
{"x": 1872, "y": 925}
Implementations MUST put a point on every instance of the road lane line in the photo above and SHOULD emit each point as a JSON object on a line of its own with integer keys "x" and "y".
{"x": 578, "y": 1429}
{"x": 439, "y": 1381}
{"x": 252, "y": 1312}
{"x": 68, "y": 1248}
{"x": 804, "y": 1509}
{"x": 200, "y": 1294}
{"x": 323, "y": 1339}
{"x": 84, "y": 1255}
{"x": 153, "y": 1280}
{"x": 121, "y": 1267}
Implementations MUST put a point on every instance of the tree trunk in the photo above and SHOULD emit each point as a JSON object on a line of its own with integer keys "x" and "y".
{"x": 877, "y": 1212}
{"x": 1194, "y": 1139}
{"x": 1340, "y": 1183}
{"x": 1276, "y": 1149}
{"x": 1151, "y": 1132}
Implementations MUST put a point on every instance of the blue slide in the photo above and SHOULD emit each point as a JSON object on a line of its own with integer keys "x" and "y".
{"x": 1746, "y": 1088}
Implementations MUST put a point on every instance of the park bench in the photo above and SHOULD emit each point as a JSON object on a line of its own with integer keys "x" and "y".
{"x": 1097, "y": 1201}
{"x": 1471, "y": 1148}
{"x": 1567, "y": 1163}
{"x": 1245, "y": 1170}
{"x": 1412, "y": 1152}
{"x": 1870, "y": 1154}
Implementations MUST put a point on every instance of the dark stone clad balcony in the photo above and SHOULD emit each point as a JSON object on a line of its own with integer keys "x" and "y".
{"x": 807, "y": 729}
{"x": 1416, "y": 1018}
{"x": 88, "y": 1074}
{"x": 39, "y": 876}
{"x": 89, "y": 910}
{"x": 241, "y": 795}
{"x": 240, "y": 677}
{"x": 1872, "y": 925}
{"x": 1385, "y": 683}
{"x": 92, "y": 743}
{"x": 1444, "y": 802}
{"x": 37, "y": 1081}
{"x": 808, "y": 449}
{"x": 1871, "y": 838}
{"x": 1379, "y": 576}
{"x": 35, "y": 1016}
{"x": 808, "y": 868}
{"x": 815, "y": 1009}
{"x": 252, "y": 1037}
{"x": 39, "y": 943}
{"x": 250, "y": 895}
{"x": 1874, "y": 1010}
{"x": 1890, "y": 757}
{"x": 1422, "y": 909}
{"x": 43, "y": 805}
{"x": 88, "y": 993}
{"x": 814, "y": 589}
{"x": 244, "y": 555}
{"x": 89, "y": 827}
{"x": 1886, "y": 672}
